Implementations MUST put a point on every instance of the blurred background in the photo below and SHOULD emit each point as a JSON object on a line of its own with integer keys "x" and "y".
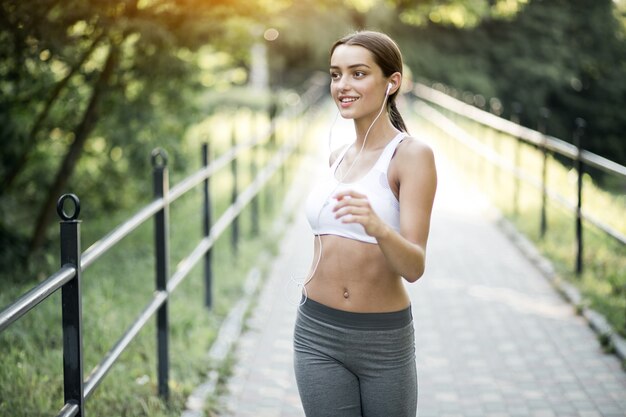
{"x": 89, "y": 87}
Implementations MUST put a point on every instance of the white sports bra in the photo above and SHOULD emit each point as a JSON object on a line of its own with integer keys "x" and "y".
{"x": 374, "y": 184}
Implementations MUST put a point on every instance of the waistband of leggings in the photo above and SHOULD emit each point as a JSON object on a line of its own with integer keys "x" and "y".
{"x": 359, "y": 321}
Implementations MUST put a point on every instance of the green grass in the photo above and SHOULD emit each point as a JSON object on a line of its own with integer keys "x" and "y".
{"x": 118, "y": 286}
{"x": 603, "y": 280}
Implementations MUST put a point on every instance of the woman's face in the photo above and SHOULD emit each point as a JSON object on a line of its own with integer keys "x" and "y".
{"x": 357, "y": 82}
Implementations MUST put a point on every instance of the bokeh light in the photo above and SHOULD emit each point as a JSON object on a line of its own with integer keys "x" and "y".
{"x": 271, "y": 34}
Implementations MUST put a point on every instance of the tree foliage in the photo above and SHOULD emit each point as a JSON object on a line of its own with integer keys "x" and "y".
{"x": 87, "y": 88}
{"x": 566, "y": 56}
{"x": 457, "y": 13}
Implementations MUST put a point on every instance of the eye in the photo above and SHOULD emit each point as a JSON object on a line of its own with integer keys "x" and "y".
{"x": 359, "y": 74}
{"x": 335, "y": 76}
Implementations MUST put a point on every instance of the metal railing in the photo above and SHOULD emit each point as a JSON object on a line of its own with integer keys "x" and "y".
{"x": 68, "y": 278}
{"x": 433, "y": 104}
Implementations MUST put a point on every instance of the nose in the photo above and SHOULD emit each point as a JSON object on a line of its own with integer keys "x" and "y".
{"x": 341, "y": 84}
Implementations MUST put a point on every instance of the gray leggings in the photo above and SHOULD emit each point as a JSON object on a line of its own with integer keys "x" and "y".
{"x": 355, "y": 364}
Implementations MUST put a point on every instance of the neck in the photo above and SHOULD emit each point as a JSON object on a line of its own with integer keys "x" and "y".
{"x": 379, "y": 133}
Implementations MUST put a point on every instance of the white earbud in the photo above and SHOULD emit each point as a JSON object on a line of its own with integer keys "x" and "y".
{"x": 389, "y": 87}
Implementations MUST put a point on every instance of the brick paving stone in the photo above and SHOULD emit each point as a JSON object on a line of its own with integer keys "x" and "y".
{"x": 493, "y": 338}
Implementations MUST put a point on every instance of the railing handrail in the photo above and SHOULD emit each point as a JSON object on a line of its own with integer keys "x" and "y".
{"x": 51, "y": 284}
{"x": 98, "y": 373}
{"x": 483, "y": 150}
{"x": 431, "y": 98}
{"x": 528, "y": 135}
{"x": 35, "y": 296}
{"x": 68, "y": 273}
{"x": 99, "y": 248}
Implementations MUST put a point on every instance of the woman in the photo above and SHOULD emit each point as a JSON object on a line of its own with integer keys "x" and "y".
{"x": 353, "y": 341}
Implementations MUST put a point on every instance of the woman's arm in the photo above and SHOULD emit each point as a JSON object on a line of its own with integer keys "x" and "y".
{"x": 415, "y": 173}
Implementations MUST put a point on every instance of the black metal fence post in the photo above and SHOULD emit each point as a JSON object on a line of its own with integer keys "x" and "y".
{"x": 543, "y": 128}
{"x": 161, "y": 241}
{"x": 233, "y": 167}
{"x": 206, "y": 218}
{"x": 71, "y": 300}
{"x": 495, "y": 108}
{"x": 580, "y": 125}
{"x": 516, "y": 118}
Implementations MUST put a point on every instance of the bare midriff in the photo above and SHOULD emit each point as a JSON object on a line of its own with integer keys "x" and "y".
{"x": 354, "y": 276}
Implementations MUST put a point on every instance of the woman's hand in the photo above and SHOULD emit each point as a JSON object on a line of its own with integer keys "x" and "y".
{"x": 354, "y": 207}
{"x": 413, "y": 170}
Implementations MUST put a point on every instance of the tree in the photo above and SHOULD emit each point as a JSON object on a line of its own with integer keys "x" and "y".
{"x": 568, "y": 56}
{"x": 69, "y": 68}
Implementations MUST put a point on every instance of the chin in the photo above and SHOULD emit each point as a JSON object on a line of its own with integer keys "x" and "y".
{"x": 346, "y": 114}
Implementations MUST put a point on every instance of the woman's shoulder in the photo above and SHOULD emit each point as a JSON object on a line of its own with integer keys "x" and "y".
{"x": 412, "y": 150}
{"x": 414, "y": 163}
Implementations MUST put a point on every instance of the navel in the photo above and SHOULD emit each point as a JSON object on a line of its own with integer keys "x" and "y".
{"x": 346, "y": 294}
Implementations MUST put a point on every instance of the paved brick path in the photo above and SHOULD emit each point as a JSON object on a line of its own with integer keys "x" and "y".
{"x": 493, "y": 337}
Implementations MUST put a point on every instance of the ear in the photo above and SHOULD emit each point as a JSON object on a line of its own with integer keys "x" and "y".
{"x": 394, "y": 81}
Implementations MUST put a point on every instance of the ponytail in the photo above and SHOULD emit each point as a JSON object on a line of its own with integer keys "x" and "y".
{"x": 396, "y": 117}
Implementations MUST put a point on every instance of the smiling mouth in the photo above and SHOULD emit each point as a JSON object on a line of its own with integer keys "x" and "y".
{"x": 348, "y": 99}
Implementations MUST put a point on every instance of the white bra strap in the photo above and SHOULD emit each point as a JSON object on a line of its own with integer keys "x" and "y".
{"x": 339, "y": 158}
{"x": 385, "y": 158}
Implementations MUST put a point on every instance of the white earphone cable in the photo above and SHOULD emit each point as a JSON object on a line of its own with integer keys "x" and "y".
{"x": 318, "y": 238}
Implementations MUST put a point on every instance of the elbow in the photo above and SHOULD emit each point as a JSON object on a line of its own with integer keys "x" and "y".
{"x": 416, "y": 271}
{"x": 413, "y": 277}
{"x": 415, "y": 274}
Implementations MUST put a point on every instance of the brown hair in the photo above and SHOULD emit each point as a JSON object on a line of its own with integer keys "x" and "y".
{"x": 387, "y": 56}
